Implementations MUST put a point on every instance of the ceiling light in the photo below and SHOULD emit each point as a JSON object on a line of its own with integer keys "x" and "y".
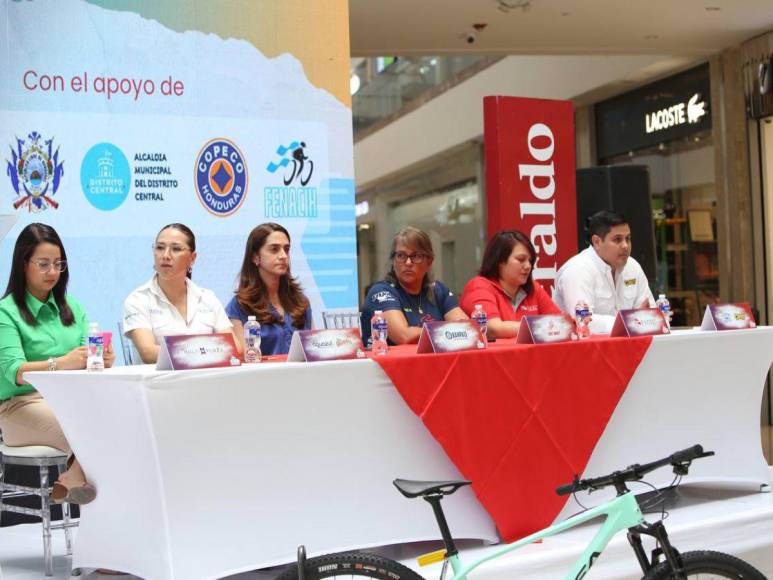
{"x": 354, "y": 83}
{"x": 507, "y": 5}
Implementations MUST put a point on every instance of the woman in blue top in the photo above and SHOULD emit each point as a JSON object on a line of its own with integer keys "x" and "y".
{"x": 408, "y": 295}
{"x": 268, "y": 291}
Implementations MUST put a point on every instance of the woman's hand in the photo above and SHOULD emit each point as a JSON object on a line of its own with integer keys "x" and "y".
{"x": 109, "y": 356}
{"x": 73, "y": 360}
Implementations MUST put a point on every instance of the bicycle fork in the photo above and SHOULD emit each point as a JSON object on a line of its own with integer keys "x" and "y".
{"x": 663, "y": 546}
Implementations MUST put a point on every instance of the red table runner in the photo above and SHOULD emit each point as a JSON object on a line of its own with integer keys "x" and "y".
{"x": 518, "y": 420}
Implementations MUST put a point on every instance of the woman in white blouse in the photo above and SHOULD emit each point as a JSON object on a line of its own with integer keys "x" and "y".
{"x": 170, "y": 303}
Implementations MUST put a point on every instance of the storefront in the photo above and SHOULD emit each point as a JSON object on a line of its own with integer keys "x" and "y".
{"x": 667, "y": 127}
{"x": 444, "y": 198}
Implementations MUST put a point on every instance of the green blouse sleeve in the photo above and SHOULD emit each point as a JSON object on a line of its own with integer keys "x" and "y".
{"x": 11, "y": 351}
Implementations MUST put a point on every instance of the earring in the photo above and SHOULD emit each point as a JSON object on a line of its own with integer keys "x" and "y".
{"x": 190, "y": 269}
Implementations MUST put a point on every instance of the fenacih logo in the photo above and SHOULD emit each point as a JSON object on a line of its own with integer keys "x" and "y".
{"x": 105, "y": 176}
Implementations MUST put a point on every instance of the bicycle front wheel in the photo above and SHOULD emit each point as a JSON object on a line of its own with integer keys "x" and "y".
{"x": 705, "y": 565}
{"x": 351, "y": 565}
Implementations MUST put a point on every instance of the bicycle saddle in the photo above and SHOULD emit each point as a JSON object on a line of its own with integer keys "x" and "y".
{"x": 410, "y": 488}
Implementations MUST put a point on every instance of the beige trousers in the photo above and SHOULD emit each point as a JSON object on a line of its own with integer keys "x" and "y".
{"x": 28, "y": 420}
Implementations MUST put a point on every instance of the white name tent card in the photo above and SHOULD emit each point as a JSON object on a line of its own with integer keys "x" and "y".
{"x": 640, "y": 322}
{"x": 197, "y": 351}
{"x": 728, "y": 317}
{"x": 545, "y": 329}
{"x": 440, "y": 336}
{"x": 325, "y": 344}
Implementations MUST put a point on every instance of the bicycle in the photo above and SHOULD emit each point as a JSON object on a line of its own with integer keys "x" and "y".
{"x": 622, "y": 513}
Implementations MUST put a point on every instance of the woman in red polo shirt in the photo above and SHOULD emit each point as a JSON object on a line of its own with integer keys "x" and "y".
{"x": 504, "y": 287}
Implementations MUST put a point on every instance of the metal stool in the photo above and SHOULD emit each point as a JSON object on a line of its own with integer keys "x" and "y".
{"x": 42, "y": 457}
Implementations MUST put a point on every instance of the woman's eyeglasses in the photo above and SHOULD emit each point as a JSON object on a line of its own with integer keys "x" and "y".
{"x": 45, "y": 265}
{"x": 174, "y": 249}
{"x": 416, "y": 258}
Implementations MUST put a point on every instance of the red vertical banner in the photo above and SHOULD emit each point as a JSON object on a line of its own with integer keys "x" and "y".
{"x": 530, "y": 176}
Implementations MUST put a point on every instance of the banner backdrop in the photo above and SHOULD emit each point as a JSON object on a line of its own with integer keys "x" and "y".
{"x": 530, "y": 176}
{"x": 119, "y": 117}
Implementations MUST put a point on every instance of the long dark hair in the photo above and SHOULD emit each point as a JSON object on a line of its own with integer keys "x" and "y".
{"x": 252, "y": 294}
{"x": 498, "y": 250}
{"x": 29, "y": 239}
{"x": 187, "y": 232}
{"x": 419, "y": 239}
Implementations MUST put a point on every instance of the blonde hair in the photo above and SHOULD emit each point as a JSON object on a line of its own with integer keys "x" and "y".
{"x": 419, "y": 239}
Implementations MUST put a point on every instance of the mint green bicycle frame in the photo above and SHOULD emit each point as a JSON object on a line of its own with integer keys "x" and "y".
{"x": 621, "y": 513}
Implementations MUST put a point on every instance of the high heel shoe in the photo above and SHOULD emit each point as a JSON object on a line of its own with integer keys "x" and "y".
{"x": 72, "y": 487}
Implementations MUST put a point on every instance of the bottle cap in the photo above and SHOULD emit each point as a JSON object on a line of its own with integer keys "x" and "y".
{"x": 661, "y": 296}
{"x": 478, "y": 306}
{"x": 251, "y": 317}
{"x": 93, "y": 326}
{"x": 378, "y": 312}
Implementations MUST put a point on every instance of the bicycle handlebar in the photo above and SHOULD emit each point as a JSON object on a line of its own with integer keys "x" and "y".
{"x": 680, "y": 460}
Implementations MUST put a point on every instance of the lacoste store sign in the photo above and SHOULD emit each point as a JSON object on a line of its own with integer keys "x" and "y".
{"x": 668, "y": 110}
{"x": 679, "y": 114}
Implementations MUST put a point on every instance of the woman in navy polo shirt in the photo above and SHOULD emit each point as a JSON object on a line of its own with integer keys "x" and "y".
{"x": 408, "y": 295}
{"x": 268, "y": 291}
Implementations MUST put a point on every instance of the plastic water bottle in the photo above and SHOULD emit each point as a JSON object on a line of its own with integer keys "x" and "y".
{"x": 582, "y": 315}
{"x": 96, "y": 349}
{"x": 378, "y": 333}
{"x": 479, "y": 316}
{"x": 665, "y": 307}
{"x": 252, "y": 352}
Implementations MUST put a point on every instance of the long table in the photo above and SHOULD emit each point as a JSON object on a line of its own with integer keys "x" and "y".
{"x": 201, "y": 474}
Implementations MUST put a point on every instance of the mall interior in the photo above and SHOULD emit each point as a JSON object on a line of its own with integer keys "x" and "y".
{"x": 418, "y": 129}
{"x": 419, "y": 72}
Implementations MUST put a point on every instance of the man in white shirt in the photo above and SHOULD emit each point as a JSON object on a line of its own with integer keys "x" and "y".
{"x": 604, "y": 274}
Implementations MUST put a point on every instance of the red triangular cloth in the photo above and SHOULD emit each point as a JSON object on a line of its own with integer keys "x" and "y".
{"x": 518, "y": 420}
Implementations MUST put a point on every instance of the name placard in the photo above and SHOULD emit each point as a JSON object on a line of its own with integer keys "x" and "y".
{"x": 640, "y": 322}
{"x": 728, "y": 317}
{"x": 546, "y": 328}
{"x": 440, "y": 336}
{"x": 197, "y": 351}
{"x": 325, "y": 344}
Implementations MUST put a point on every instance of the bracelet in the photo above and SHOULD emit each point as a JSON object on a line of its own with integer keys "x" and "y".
{"x": 51, "y": 364}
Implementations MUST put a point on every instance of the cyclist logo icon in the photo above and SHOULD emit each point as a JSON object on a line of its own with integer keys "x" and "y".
{"x": 298, "y": 167}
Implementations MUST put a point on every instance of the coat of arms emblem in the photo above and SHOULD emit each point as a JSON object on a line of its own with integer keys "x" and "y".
{"x": 35, "y": 172}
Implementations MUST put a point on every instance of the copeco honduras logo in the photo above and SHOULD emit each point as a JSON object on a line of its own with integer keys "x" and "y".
{"x": 105, "y": 176}
{"x": 35, "y": 173}
{"x": 221, "y": 177}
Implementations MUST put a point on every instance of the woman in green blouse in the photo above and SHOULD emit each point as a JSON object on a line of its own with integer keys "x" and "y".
{"x": 41, "y": 328}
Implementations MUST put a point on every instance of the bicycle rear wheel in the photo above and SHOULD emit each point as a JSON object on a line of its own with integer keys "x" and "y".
{"x": 351, "y": 565}
{"x": 705, "y": 565}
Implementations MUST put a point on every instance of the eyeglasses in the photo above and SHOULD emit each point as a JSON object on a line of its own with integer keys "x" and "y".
{"x": 45, "y": 265}
{"x": 416, "y": 258}
{"x": 174, "y": 249}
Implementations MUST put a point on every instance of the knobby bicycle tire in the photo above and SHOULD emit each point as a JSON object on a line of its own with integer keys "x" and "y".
{"x": 351, "y": 565}
{"x": 707, "y": 564}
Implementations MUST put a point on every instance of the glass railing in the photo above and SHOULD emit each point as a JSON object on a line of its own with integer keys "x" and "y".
{"x": 382, "y": 87}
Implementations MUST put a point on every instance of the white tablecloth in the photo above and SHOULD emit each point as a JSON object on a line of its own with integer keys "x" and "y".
{"x": 202, "y": 474}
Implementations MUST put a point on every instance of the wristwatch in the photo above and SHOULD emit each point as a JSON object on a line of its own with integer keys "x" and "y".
{"x": 51, "y": 364}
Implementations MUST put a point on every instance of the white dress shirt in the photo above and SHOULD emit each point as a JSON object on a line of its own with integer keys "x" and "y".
{"x": 148, "y": 307}
{"x": 587, "y": 277}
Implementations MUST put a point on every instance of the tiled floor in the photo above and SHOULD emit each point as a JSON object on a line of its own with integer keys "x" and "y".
{"x": 21, "y": 550}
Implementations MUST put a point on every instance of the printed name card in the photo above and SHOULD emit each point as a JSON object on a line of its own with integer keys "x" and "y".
{"x": 640, "y": 322}
{"x": 440, "y": 336}
{"x": 328, "y": 344}
{"x": 197, "y": 351}
{"x": 728, "y": 317}
{"x": 546, "y": 328}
